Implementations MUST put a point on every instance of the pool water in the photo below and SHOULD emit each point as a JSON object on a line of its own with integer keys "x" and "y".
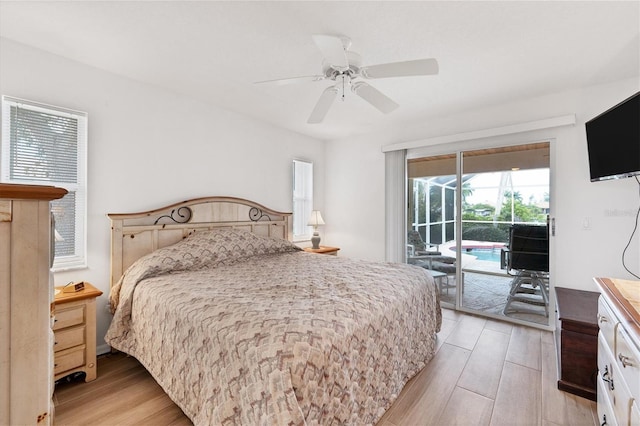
{"x": 492, "y": 255}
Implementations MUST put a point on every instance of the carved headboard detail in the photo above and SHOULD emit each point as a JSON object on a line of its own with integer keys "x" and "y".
{"x": 134, "y": 235}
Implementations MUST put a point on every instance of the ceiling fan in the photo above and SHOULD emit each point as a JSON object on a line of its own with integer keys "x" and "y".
{"x": 344, "y": 67}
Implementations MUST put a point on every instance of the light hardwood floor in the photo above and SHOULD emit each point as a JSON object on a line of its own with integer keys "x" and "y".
{"x": 485, "y": 372}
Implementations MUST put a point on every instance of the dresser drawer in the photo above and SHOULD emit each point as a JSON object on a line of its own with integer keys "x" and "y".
{"x": 607, "y": 322}
{"x": 612, "y": 385}
{"x": 69, "y": 317}
{"x": 622, "y": 401}
{"x": 605, "y": 409}
{"x": 627, "y": 358}
{"x": 71, "y": 358}
{"x": 68, "y": 338}
{"x": 635, "y": 413}
{"x": 606, "y": 373}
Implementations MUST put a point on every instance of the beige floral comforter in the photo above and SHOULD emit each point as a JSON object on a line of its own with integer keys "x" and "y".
{"x": 241, "y": 329}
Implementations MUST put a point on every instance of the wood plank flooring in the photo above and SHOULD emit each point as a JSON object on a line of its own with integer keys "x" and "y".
{"x": 485, "y": 372}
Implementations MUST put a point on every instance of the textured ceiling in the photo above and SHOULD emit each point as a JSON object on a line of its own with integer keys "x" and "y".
{"x": 488, "y": 52}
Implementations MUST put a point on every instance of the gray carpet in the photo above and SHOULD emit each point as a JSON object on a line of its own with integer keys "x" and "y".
{"x": 488, "y": 293}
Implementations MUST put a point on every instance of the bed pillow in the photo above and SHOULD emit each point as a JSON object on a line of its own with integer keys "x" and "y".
{"x": 229, "y": 245}
{"x": 200, "y": 250}
{"x": 212, "y": 248}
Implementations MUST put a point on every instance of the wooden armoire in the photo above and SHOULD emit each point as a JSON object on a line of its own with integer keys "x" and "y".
{"x": 26, "y": 308}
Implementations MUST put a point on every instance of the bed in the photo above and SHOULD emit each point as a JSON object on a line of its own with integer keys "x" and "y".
{"x": 240, "y": 326}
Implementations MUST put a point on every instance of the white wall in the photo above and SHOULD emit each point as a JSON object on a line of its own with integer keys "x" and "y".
{"x": 149, "y": 147}
{"x": 354, "y": 191}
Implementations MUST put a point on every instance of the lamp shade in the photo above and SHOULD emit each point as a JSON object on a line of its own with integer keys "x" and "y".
{"x": 315, "y": 219}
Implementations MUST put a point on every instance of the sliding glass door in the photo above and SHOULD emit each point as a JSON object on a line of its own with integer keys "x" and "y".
{"x": 462, "y": 209}
{"x": 431, "y": 220}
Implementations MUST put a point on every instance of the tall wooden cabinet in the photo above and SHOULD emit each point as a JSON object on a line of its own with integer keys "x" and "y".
{"x": 26, "y": 296}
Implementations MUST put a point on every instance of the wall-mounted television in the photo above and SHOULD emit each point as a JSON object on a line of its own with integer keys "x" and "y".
{"x": 613, "y": 141}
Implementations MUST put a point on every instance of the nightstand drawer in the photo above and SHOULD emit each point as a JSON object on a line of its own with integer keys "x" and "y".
{"x": 68, "y": 317}
{"x": 66, "y": 360}
{"x": 68, "y": 338}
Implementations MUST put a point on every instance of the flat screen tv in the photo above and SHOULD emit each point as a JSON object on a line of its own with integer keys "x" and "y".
{"x": 613, "y": 141}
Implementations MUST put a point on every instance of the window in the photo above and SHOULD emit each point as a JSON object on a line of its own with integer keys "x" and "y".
{"x": 302, "y": 199}
{"x": 46, "y": 145}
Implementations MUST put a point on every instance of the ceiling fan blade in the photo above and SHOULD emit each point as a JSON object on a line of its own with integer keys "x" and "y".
{"x": 401, "y": 69}
{"x": 332, "y": 49}
{"x": 292, "y": 80}
{"x": 374, "y": 97}
{"x": 323, "y": 105}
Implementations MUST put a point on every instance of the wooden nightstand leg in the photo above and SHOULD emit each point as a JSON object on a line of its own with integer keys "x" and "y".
{"x": 91, "y": 366}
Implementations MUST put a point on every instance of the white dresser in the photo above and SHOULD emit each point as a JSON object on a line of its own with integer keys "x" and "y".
{"x": 26, "y": 296}
{"x": 619, "y": 352}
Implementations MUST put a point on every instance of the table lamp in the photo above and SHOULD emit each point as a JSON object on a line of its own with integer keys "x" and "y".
{"x": 315, "y": 220}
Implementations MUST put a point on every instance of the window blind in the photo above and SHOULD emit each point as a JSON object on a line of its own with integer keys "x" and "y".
{"x": 302, "y": 199}
{"x": 395, "y": 207}
{"x": 43, "y": 147}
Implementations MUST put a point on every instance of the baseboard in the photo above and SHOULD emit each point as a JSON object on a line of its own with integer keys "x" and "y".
{"x": 103, "y": 349}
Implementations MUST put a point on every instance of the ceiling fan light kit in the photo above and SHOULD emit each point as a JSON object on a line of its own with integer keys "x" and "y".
{"x": 344, "y": 67}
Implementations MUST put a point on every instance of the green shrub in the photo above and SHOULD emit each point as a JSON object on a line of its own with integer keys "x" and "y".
{"x": 485, "y": 233}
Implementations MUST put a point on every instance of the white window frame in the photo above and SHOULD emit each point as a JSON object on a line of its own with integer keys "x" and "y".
{"x": 79, "y": 187}
{"x": 302, "y": 200}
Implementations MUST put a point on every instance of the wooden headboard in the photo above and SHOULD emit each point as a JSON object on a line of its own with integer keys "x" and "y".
{"x": 134, "y": 235}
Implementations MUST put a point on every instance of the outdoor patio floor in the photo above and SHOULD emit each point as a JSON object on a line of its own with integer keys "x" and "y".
{"x": 488, "y": 294}
{"x": 486, "y": 286}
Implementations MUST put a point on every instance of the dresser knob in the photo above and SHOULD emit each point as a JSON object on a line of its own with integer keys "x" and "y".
{"x": 625, "y": 360}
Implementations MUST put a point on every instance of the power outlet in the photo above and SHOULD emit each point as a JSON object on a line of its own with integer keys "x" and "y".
{"x": 586, "y": 223}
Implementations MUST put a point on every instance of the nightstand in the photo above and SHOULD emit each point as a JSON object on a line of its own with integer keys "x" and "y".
{"x": 75, "y": 332}
{"x": 577, "y": 341}
{"x": 323, "y": 250}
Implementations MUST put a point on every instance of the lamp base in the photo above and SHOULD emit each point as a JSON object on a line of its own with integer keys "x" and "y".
{"x": 315, "y": 241}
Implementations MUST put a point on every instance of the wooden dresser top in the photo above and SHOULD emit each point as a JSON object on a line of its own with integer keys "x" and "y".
{"x": 31, "y": 192}
{"x": 578, "y": 306}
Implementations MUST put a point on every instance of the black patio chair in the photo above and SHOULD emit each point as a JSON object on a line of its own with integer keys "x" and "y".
{"x": 527, "y": 259}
